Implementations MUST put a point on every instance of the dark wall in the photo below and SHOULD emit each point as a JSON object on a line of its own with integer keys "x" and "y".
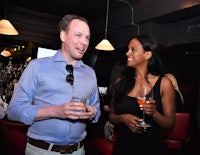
{"x": 103, "y": 61}
{"x": 185, "y": 67}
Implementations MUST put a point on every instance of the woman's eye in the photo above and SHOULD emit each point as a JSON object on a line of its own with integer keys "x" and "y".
{"x": 133, "y": 49}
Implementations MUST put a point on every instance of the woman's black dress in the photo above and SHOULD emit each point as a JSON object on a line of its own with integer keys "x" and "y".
{"x": 150, "y": 142}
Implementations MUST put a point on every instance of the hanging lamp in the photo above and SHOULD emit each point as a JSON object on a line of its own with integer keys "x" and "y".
{"x": 105, "y": 44}
{"x": 6, "y": 27}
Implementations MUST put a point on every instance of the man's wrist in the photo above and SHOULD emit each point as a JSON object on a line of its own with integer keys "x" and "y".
{"x": 95, "y": 112}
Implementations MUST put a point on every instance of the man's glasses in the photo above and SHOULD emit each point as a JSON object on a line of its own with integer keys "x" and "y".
{"x": 70, "y": 77}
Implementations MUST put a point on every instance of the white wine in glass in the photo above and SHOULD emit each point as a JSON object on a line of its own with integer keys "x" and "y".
{"x": 144, "y": 94}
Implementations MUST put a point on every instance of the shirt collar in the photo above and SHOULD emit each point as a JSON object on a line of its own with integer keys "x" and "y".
{"x": 59, "y": 57}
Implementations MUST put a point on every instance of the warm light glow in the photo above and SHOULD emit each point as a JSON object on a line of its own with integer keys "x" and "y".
{"x": 28, "y": 59}
{"x": 7, "y": 28}
{"x": 105, "y": 45}
{"x": 5, "y": 53}
{"x": 189, "y": 4}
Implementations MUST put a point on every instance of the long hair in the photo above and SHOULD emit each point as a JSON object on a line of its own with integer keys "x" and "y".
{"x": 149, "y": 44}
{"x": 122, "y": 81}
{"x": 127, "y": 79}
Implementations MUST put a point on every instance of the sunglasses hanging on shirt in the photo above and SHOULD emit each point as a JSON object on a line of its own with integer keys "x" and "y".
{"x": 70, "y": 76}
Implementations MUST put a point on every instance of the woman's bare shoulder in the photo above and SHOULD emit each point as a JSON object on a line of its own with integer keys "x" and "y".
{"x": 166, "y": 84}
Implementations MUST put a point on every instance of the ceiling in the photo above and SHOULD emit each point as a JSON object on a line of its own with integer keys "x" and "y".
{"x": 42, "y": 10}
{"x": 90, "y": 9}
{"x": 62, "y": 7}
{"x": 93, "y": 10}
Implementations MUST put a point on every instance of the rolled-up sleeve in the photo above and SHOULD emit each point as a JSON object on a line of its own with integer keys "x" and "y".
{"x": 20, "y": 107}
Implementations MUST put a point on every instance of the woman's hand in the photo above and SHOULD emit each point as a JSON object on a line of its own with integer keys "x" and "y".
{"x": 131, "y": 122}
{"x": 149, "y": 108}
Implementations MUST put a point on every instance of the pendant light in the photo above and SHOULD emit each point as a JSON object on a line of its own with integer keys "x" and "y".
{"x": 105, "y": 44}
{"x": 6, "y": 27}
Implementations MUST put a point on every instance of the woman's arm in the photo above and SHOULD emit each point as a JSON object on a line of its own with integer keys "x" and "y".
{"x": 114, "y": 118}
{"x": 167, "y": 92}
{"x": 129, "y": 120}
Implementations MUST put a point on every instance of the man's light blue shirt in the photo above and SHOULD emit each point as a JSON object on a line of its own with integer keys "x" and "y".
{"x": 43, "y": 83}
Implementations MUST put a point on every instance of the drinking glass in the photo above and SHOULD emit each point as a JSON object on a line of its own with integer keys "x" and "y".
{"x": 144, "y": 94}
{"x": 78, "y": 99}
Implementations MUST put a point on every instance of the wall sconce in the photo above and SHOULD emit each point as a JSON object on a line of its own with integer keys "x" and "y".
{"x": 105, "y": 44}
{"x": 5, "y": 53}
{"x": 28, "y": 59}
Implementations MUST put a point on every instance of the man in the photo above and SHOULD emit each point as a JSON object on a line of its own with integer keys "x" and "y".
{"x": 42, "y": 98}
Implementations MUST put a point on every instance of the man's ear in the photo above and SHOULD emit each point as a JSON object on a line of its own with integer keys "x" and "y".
{"x": 62, "y": 35}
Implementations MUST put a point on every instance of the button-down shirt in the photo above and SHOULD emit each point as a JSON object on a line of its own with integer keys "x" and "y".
{"x": 43, "y": 83}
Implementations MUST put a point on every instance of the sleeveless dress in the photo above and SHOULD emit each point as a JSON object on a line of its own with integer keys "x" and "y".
{"x": 150, "y": 142}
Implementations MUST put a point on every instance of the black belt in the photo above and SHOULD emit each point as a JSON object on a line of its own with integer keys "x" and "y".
{"x": 63, "y": 149}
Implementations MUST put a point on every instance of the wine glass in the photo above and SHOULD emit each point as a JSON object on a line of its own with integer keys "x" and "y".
{"x": 144, "y": 94}
{"x": 102, "y": 92}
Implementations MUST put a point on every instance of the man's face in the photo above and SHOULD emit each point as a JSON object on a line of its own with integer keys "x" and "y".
{"x": 76, "y": 40}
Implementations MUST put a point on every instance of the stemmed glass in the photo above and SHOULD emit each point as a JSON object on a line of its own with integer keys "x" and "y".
{"x": 144, "y": 94}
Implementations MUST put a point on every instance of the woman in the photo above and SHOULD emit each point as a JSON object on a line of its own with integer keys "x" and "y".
{"x": 125, "y": 112}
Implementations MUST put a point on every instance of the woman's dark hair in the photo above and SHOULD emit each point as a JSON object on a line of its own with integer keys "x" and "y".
{"x": 149, "y": 44}
{"x": 119, "y": 69}
{"x": 127, "y": 78}
{"x": 122, "y": 81}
